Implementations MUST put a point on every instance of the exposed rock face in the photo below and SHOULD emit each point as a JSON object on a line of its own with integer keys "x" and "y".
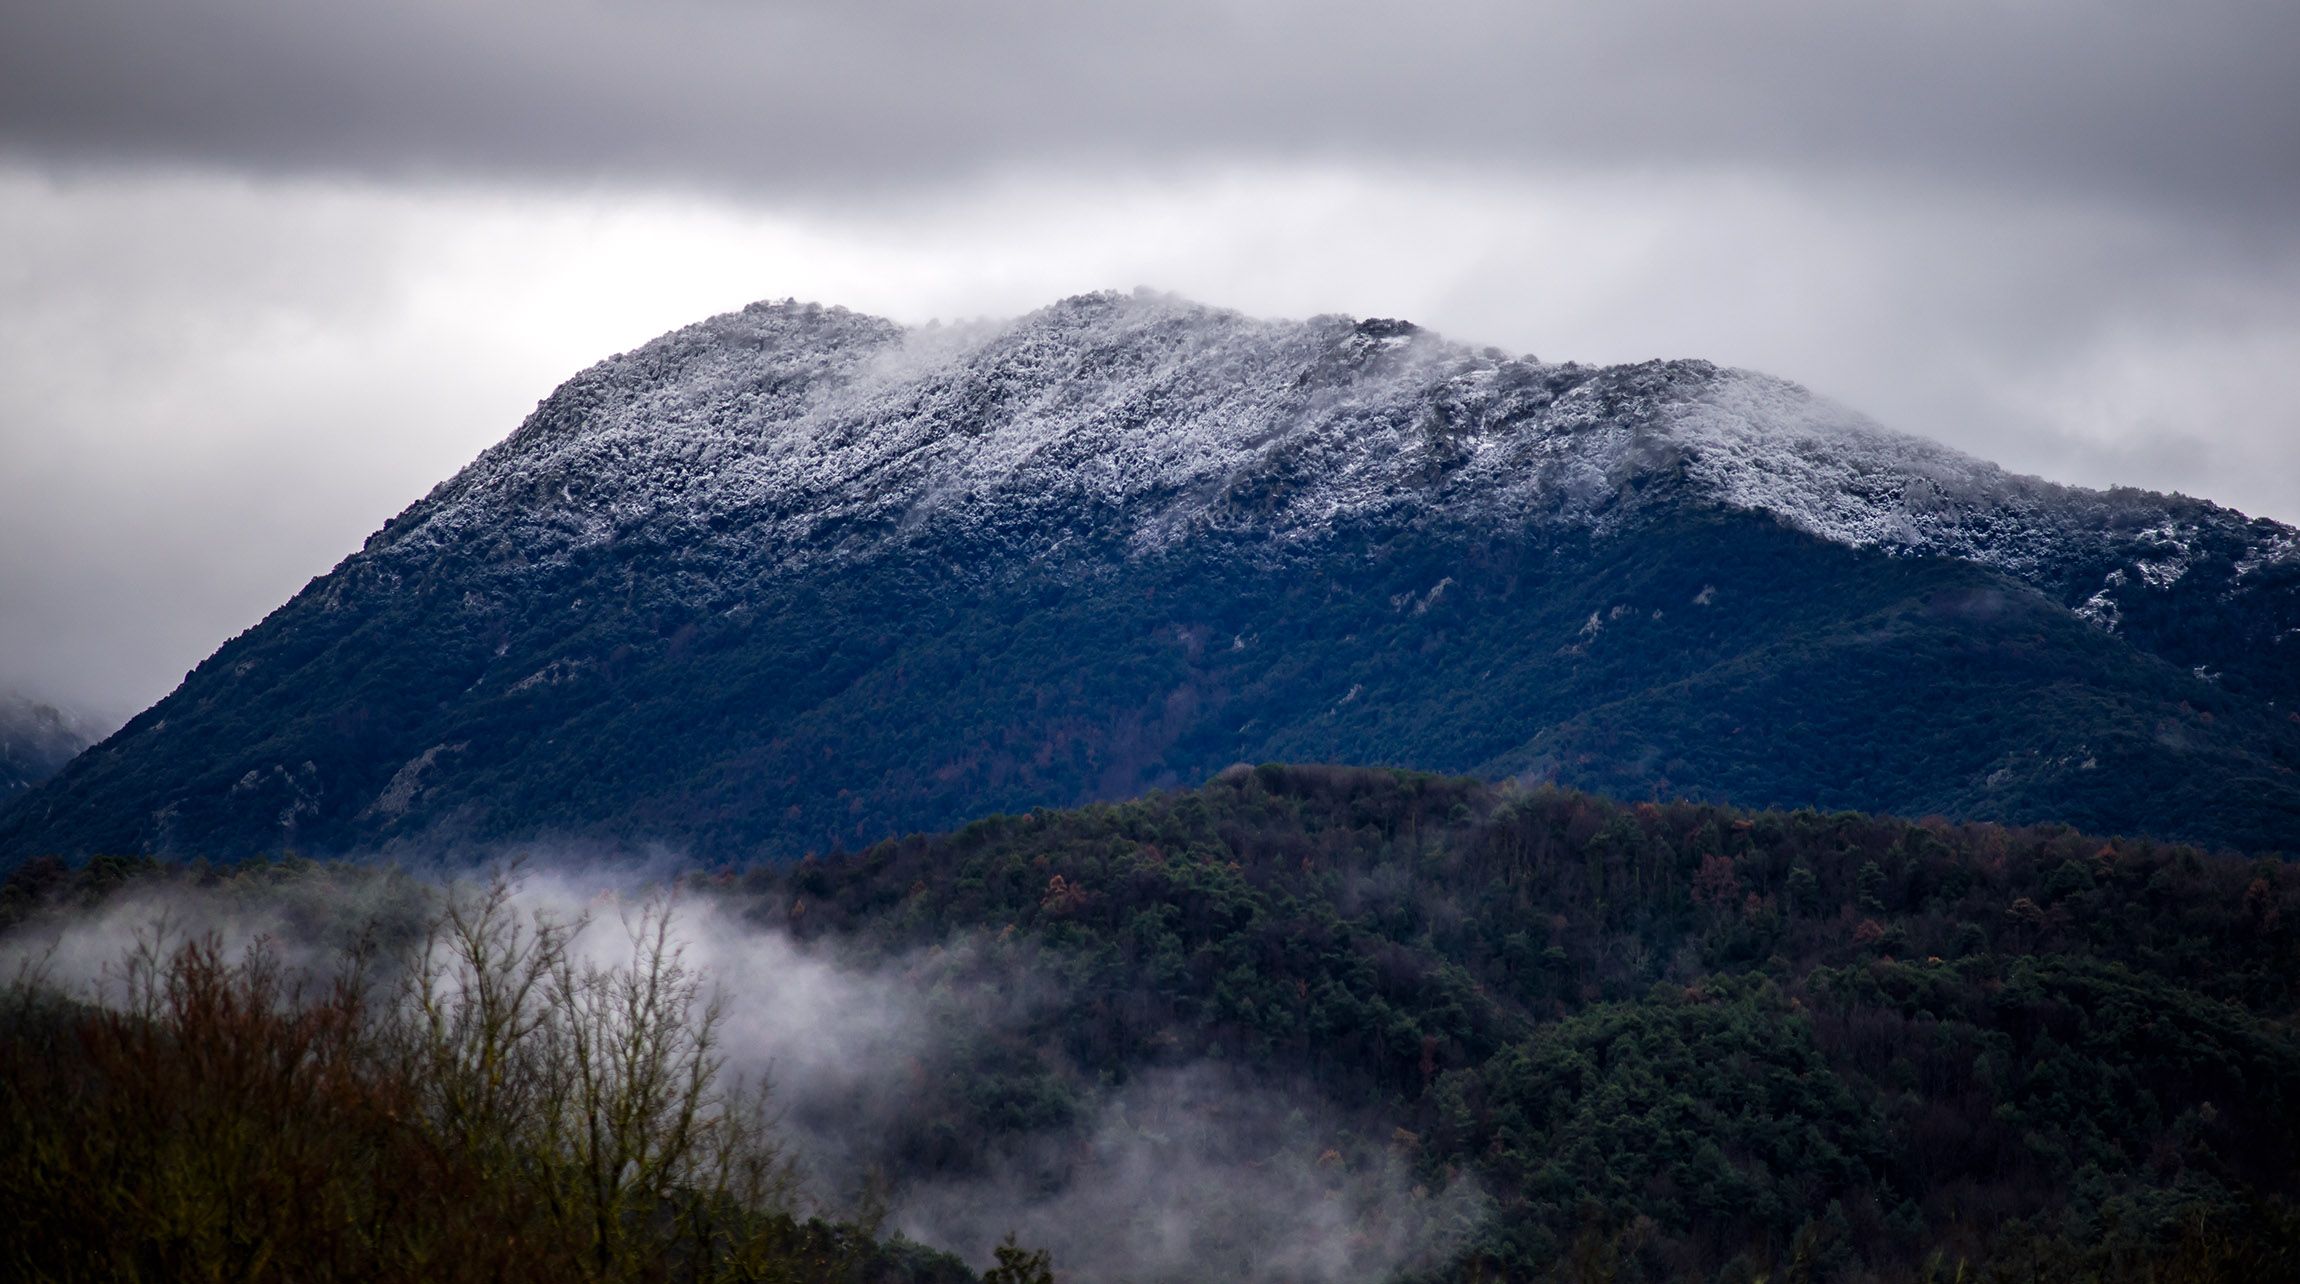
{"x": 795, "y": 576}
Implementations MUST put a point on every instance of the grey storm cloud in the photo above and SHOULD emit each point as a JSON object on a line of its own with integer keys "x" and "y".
{"x": 2189, "y": 105}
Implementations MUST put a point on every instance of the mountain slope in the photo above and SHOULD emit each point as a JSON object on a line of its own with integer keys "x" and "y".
{"x": 795, "y": 577}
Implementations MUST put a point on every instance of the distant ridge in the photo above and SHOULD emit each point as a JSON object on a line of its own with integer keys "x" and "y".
{"x": 36, "y": 740}
{"x": 795, "y": 577}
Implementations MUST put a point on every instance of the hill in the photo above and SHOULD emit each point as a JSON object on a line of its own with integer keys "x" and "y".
{"x": 1458, "y": 1031}
{"x": 796, "y": 578}
{"x": 1679, "y": 1038}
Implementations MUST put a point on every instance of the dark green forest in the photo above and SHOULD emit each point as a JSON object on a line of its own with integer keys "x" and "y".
{"x": 1662, "y": 1041}
{"x": 1716, "y": 655}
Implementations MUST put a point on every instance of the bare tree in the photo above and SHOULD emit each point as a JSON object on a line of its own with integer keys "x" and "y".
{"x": 605, "y": 1083}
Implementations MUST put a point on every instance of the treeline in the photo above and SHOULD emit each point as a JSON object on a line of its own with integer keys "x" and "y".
{"x": 1666, "y": 1042}
{"x": 474, "y": 1101}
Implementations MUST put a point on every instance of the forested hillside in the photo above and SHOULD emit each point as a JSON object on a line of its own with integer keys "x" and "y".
{"x": 1678, "y": 1038}
{"x": 1597, "y": 1040}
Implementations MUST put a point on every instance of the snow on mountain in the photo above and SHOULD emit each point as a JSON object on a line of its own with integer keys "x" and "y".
{"x": 819, "y": 434}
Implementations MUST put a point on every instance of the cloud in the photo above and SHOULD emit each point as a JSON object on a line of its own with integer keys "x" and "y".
{"x": 2190, "y": 105}
{"x": 309, "y": 925}
{"x": 1200, "y": 1172}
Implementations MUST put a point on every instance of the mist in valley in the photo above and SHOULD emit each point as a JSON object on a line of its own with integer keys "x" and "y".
{"x": 874, "y": 1055}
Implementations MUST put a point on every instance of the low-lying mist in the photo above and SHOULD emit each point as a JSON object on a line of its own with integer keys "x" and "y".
{"x": 919, "y": 1090}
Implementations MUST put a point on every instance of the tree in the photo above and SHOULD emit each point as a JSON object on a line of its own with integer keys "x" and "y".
{"x": 601, "y": 1085}
{"x": 1018, "y": 1265}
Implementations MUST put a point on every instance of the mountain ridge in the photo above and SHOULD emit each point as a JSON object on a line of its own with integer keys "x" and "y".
{"x": 690, "y": 557}
{"x": 36, "y": 740}
{"x": 1738, "y": 431}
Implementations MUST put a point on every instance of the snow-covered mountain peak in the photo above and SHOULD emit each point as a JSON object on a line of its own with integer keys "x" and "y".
{"x": 811, "y": 434}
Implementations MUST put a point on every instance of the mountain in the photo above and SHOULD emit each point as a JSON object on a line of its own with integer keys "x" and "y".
{"x": 795, "y": 578}
{"x": 36, "y": 740}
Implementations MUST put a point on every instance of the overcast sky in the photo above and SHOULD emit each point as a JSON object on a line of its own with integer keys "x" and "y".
{"x": 269, "y": 269}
